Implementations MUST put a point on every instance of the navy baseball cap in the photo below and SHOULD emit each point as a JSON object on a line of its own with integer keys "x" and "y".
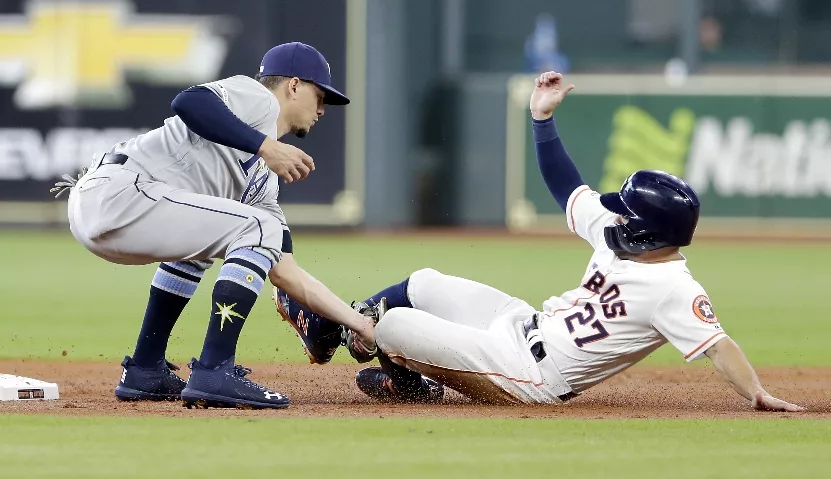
{"x": 304, "y": 62}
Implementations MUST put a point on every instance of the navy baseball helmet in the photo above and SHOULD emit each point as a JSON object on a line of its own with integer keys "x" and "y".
{"x": 659, "y": 210}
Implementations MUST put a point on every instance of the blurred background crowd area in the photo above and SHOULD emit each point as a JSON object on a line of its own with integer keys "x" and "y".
{"x": 607, "y": 36}
{"x": 731, "y": 94}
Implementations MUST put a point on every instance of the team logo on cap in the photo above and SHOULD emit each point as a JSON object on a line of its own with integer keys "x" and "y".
{"x": 703, "y": 309}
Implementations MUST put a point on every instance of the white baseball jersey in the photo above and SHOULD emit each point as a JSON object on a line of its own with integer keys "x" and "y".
{"x": 622, "y": 310}
{"x": 174, "y": 155}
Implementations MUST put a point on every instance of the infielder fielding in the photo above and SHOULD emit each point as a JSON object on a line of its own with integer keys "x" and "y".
{"x": 204, "y": 186}
{"x": 636, "y": 295}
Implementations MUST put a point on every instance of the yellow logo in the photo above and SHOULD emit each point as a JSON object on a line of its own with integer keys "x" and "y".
{"x": 74, "y": 53}
{"x": 226, "y": 312}
{"x": 639, "y": 141}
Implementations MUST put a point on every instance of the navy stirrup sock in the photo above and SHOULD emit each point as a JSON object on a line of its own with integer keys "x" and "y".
{"x": 396, "y": 296}
{"x": 172, "y": 287}
{"x": 239, "y": 283}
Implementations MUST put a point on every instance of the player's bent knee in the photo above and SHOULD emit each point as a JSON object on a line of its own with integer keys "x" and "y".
{"x": 263, "y": 234}
{"x": 392, "y": 327}
{"x": 425, "y": 275}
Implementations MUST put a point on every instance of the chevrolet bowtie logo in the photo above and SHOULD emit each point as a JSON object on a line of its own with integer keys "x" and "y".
{"x": 77, "y": 53}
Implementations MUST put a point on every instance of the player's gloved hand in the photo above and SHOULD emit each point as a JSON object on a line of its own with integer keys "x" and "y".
{"x": 361, "y": 345}
{"x": 289, "y": 162}
{"x": 549, "y": 92}
{"x": 67, "y": 184}
{"x": 763, "y": 401}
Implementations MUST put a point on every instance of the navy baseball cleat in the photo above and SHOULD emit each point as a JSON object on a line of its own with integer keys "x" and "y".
{"x": 377, "y": 384}
{"x": 227, "y": 386}
{"x": 320, "y": 336}
{"x": 149, "y": 384}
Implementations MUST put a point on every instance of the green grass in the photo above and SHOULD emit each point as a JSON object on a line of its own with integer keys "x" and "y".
{"x": 58, "y": 297}
{"x": 404, "y": 448}
{"x": 50, "y": 447}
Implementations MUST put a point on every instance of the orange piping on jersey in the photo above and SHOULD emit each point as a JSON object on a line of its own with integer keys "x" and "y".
{"x": 522, "y": 381}
{"x": 571, "y": 210}
{"x": 703, "y": 344}
{"x": 552, "y": 313}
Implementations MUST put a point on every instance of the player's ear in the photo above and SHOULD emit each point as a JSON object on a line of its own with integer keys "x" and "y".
{"x": 293, "y": 85}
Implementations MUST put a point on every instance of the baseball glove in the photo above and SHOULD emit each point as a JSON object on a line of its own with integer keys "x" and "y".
{"x": 351, "y": 340}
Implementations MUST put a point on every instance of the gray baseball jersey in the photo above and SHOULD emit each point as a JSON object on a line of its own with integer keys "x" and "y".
{"x": 181, "y": 197}
{"x": 176, "y": 156}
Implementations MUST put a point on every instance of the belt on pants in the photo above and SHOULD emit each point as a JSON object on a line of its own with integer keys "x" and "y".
{"x": 532, "y": 333}
{"x": 114, "y": 159}
{"x": 531, "y": 330}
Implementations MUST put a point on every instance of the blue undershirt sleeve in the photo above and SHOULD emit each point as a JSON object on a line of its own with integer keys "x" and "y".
{"x": 204, "y": 113}
{"x": 557, "y": 168}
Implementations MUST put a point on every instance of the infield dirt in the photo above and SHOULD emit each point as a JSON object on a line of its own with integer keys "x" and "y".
{"x": 86, "y": 389}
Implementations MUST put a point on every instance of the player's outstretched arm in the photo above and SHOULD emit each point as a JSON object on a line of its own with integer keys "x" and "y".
{"x": 304, "y": 288}
{"x": 733, "y": 366}
{"x": 557, "y": 168}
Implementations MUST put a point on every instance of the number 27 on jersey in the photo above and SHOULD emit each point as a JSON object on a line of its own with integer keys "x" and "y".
{"x": 611, "y": 307}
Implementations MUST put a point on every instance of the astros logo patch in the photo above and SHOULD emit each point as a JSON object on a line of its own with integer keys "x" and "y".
{"x": 703, "y": 309}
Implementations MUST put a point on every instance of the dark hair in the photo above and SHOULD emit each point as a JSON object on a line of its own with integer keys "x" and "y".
{"x": 271, "y": 81}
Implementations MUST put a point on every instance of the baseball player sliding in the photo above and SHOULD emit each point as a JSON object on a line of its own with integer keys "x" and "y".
{"x": 636, "y": 294}
{"x": 204, "y": 186}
